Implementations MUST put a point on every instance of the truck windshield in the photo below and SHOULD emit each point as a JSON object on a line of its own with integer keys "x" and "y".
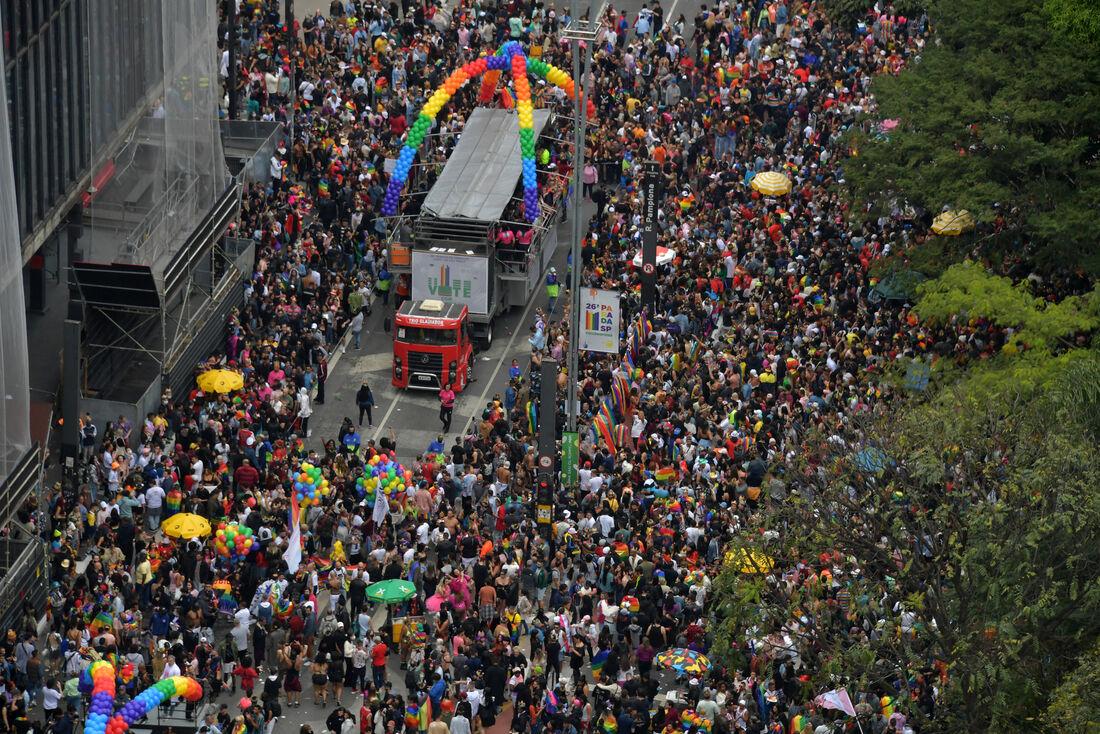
{"x": 422, "y": 335}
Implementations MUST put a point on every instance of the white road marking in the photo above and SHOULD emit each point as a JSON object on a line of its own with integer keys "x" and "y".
{"x": 504, "y": 356}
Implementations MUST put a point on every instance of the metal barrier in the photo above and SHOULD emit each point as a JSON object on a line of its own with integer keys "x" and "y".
{"x": 26, "y": 579}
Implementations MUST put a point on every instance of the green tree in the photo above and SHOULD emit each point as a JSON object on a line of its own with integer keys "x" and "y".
{"x": 1079, "y": 19}
{"x": 997, "y": 116}
{"x": 963, "y": 529}
{"x": 977, "y": 548}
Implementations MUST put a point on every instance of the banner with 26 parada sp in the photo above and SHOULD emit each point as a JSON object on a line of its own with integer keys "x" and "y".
{"x": 599, "y": 330}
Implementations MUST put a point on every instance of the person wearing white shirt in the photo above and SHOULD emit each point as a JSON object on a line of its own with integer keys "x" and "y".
{"x": 171, "y": 670}
{"x": 475, "y": 698}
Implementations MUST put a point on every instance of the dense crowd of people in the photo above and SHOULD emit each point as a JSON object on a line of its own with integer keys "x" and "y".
{"x": 766, "y": 327}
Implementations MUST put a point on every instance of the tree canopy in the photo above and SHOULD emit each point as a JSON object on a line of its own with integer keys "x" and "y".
{"x": 954, "y": 541}
{"x": 997, "y": 116}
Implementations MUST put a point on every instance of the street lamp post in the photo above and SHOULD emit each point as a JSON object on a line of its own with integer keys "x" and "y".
{"x": 577, "y": 31}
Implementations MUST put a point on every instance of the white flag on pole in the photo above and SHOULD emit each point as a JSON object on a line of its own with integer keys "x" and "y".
{"x": 837, "y": 699}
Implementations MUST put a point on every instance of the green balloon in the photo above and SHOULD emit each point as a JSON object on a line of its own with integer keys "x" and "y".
{"x": 248, "y": 532}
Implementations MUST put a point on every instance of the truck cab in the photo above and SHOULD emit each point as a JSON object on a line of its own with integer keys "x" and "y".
{"x": 431, "y": 345}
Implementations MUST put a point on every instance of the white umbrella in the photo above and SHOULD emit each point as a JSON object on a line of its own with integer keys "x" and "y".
{"x": 664, "y": 256}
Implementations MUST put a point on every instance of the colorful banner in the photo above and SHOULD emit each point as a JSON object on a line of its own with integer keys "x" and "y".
{"x": 600, "y": 315}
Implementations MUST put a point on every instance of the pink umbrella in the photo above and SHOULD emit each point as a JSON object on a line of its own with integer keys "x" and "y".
{"x": 434, "y": 603}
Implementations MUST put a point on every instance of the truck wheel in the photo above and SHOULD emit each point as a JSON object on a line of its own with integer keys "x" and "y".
{"x": 470, "y": 372}
{"x": 487, "y": 340}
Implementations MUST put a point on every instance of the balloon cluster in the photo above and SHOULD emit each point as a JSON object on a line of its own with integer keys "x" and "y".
{"x": 99, "y": 680}
{"x": 509, "y": 56}
{"x": 386, "y": 473}
{"x": 233, "y": 541}
{"x": 309, "y": 485}
{"x": 152, "y": 697}
{"x": 690, "y": 718}
{"x": 526, "y": 137}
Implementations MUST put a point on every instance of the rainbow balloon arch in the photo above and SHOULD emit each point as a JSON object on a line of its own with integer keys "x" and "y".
{"x": 98, "y": 679}
{"x": 509, "y": 56}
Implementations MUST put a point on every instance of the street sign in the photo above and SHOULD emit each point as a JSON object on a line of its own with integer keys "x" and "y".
{"x": 544, "y": 515}
{"x": 651, "y": 203}
{"x": 546, "y": 462}
{"x": 569, "y": 453}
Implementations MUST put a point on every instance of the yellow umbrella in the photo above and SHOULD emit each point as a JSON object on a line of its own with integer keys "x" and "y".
{"x": 954, "y": 222}
{"x": 186, "y": 525}
{"x": 220, "y": 381}
{"x": 749, "y": 562}
{"x": 772, "y": 183}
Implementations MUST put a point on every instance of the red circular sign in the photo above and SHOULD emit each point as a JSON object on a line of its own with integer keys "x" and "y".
{"x": 648, "y": 268}
{"x": 545, "y": 462}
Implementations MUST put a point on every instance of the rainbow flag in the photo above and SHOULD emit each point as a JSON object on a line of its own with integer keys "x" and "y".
{"x": 295, "y": 511}
{"x": 622, "y": 435}
{"x": 664, "y": 474}
{"x": 173, "y": 500}
{"x": 620, "y": 391}
{"x": 631, "y": 604}
{"x": 622, "y": 550}
{"x": 643, "y": 326}
{"x": 532, "y": 416}
{"x": 608, "y": 723}
{"x": 350, "y": 106}
{"x": 322, "y": 187}
{"x": 103, "y": 620}
{"x": 604, "y": 432}
{"x": 628, "y": 363}
{"x": 607, "y": 412}
{"x": 597, "y": 662}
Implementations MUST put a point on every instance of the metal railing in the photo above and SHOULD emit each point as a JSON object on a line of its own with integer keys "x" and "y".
{"x": 25, "y": 580}
{"x": 161, "y": 227}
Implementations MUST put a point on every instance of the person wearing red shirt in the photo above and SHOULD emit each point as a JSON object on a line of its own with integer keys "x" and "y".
{"x": 398, "y": 124}
{"x": 248, "y": 676}
{"x": 246, "y": 475}
{"x": 776, "y": 231}
{"x": 378, "y": 662}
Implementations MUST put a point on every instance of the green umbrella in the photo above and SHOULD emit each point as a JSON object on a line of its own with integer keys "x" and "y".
{"x": 391, "y": 591}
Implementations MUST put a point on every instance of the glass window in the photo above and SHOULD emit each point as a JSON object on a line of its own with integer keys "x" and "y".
{"x": 421, "y": 335}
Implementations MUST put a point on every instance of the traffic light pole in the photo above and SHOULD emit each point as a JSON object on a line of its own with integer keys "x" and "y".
{"x": 546, "y": 484}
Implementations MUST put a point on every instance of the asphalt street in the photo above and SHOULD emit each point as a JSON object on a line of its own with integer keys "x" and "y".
{"x": 413, "y": 415}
